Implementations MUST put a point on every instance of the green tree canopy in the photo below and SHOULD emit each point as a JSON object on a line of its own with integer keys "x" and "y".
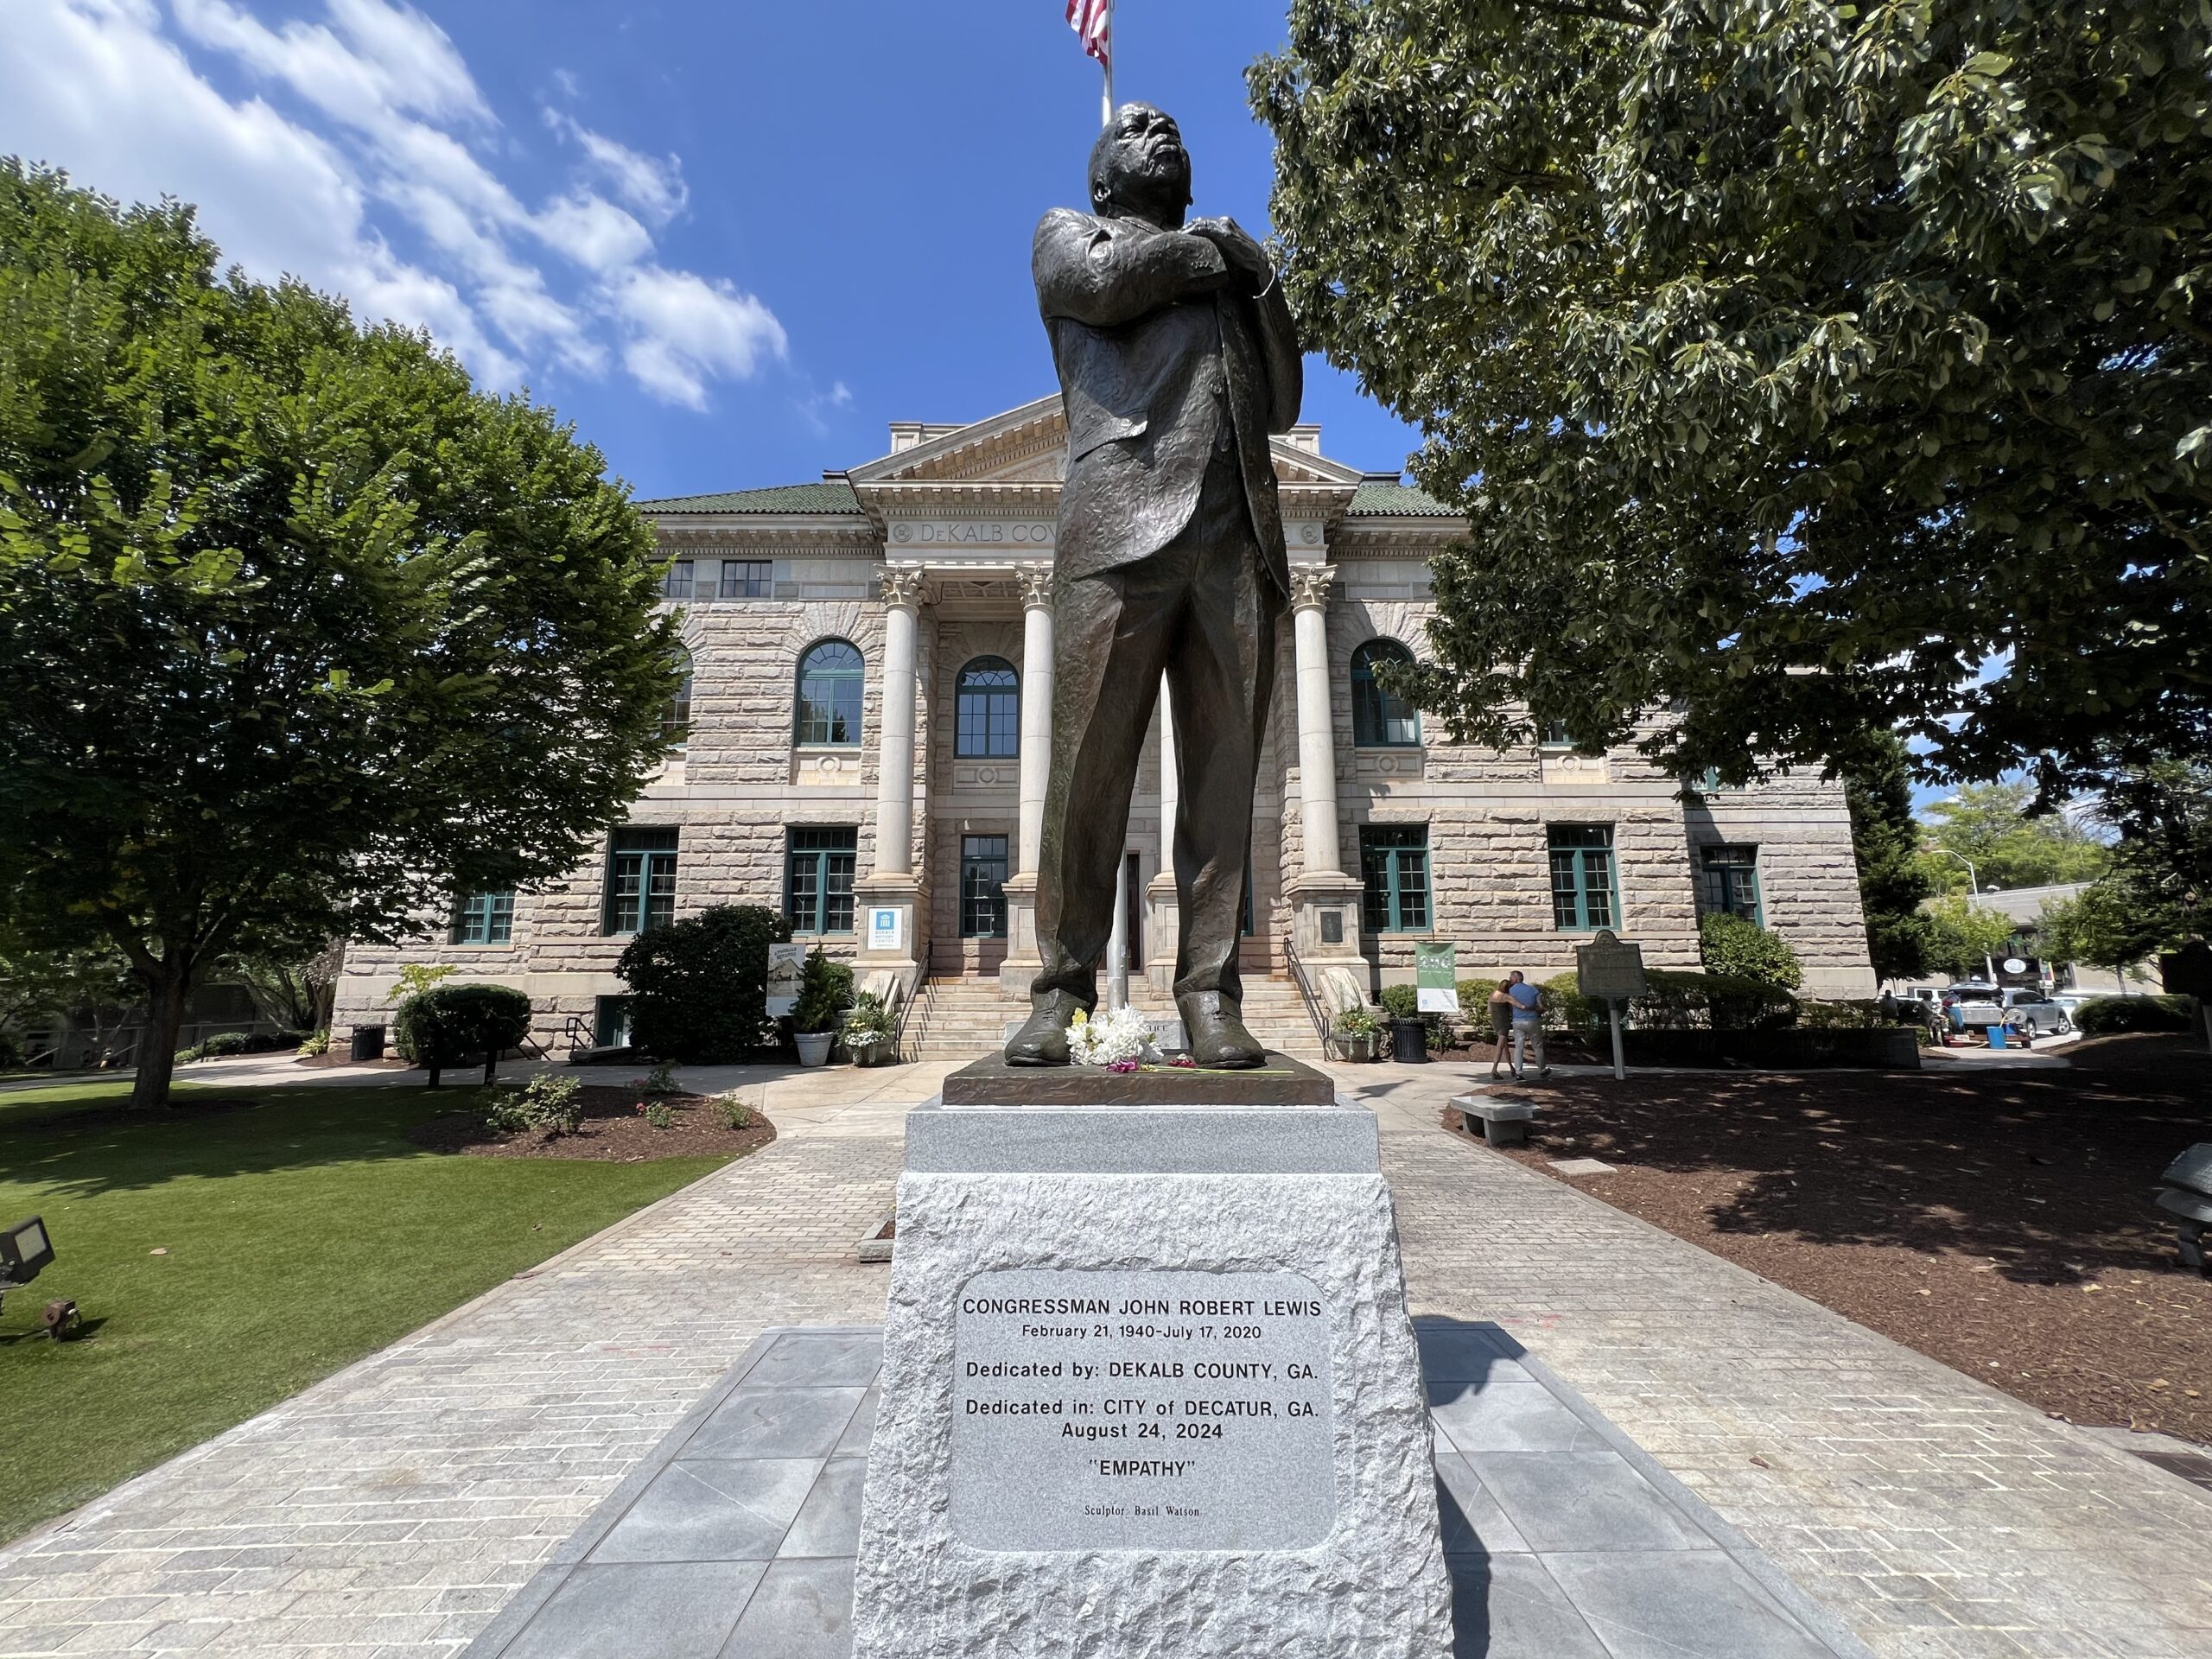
{"x": 298, "y": 632}
{"x": 1966, "y": 939}
{"x": 2113, "y": 924}
{"x": 1992, "y": 824}
{"x": 1793, "y": 360}
{"x": 1884, "y": 842}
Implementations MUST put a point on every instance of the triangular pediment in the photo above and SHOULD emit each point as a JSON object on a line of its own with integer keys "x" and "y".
{"x": 1028, "y": 445}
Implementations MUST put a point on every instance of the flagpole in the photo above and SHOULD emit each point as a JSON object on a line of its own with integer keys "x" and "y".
{"x": 1106, "y": 116}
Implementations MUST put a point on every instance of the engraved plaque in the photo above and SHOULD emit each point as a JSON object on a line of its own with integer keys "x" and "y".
{"x": 1609, "y": 968}
{"x": 1141, "y": 1409}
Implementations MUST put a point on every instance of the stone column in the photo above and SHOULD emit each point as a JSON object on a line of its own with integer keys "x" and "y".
{"x": 1022, "y": 962}
{"x": 894, "y": 777}
{"x": 1324, "y": 899}
{"x": 890, "y": 891}
{"x": 1164, "y": 903}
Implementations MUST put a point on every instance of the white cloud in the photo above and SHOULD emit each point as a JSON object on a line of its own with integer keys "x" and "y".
{"x": 684, "y": 330}
{"x": 654, "y": 188}
{"x": 386, "y": 127}
{"x": 593, "y": 232}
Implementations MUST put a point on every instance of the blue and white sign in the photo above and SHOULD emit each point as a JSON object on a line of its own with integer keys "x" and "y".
{"x": 887, "y": 927}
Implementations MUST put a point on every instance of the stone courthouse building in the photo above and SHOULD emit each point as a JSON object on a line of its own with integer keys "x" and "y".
{"x": 862, "y": 743}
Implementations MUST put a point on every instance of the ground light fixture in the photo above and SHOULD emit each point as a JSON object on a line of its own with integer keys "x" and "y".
{"x": 25, "y": 1250}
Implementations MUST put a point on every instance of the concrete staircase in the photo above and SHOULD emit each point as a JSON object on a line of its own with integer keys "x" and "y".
{"x": 964, "y": 1018}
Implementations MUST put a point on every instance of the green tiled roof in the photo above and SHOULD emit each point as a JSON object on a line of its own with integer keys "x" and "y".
{"x": 1379, "y": 496}
{"x": 831, "y": 495}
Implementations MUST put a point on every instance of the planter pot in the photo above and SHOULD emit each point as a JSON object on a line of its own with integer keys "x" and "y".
{"x": 1357, "y": 1047}
{"x": 814, "y": 1046}
{"x": 869, "y": 1051}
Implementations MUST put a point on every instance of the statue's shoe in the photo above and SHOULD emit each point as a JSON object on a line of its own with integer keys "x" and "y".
{"x": 1214, "y": 1027}
{"x": 1043, "y": 1039}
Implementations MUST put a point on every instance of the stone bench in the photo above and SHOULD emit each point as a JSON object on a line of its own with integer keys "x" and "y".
{"x": 1501, "y": 1119}
{"x": 2185, "y": 1190}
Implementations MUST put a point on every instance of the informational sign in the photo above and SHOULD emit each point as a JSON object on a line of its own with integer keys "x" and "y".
{"x": 887, "y": 927}
{"x": 786, "y": 967}
{"x": 1141, "y": 1409}
{"x": 2015, "y": 965}
{"x": 1609, "y": 970}
{"x": 1436, "y": 978}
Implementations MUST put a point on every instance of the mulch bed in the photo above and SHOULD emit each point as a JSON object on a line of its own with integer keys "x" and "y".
{"x": 1999, "y": 1221}
{"x": 613, "y": 1131}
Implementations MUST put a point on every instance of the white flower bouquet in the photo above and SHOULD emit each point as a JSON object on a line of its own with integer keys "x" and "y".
{"x": 1121, "y": 1040}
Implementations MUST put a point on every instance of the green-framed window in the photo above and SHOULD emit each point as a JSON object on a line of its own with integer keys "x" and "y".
{"x": 987, "y": 701}
{"x": 1393, "y": 866}
{"x": 610, "y": 1022}
{"x": 676, "y": 718}
{"x": 982, "y": 886}
{"x": 485, "y": 919}
{"x": 1381, "y": 720}
{"x": 819, "y": 879}
{"x": 640, "y": 880}
{"x": 828, "y": 711}
{"x": 1584, "y": 896}
{"x": 1731, "y": 881}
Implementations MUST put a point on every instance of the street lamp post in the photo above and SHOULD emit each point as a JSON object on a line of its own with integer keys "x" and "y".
{"x": 1973, "y": 886}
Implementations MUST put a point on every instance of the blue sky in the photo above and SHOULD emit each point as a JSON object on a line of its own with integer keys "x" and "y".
{"x": 730, "y": 242}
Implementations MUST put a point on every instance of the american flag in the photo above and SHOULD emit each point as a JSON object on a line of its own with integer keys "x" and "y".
{"x": 1094, "y": 21}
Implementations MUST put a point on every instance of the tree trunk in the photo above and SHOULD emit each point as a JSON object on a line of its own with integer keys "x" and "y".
{"x": 435, "y": 1069}
{"x": 491, "y": 1066}
{"x": 165, "y": 1002}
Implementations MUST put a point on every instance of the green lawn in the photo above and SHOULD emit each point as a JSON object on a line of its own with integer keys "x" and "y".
{"x": 301, "y": 1230}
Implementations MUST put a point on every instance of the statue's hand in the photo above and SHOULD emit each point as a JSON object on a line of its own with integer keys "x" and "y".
{"x": 1238, "y": 249}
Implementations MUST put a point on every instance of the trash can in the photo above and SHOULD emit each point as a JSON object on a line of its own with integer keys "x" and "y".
{"x": 1409, "y": 1040}
{"x": 368, "y": 1043}
{"x": 1997, "y": 1035}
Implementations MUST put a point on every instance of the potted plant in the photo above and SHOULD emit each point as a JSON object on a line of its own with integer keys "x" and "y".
{"x": 825, "y": 991}
{"x": 1359, "y": 1033}
{"x": 869, "y": 1030}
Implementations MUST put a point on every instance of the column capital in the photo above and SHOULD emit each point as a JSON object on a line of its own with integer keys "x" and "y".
{"x": 1035, "y": 581}
{"x": 902, "y": 586}
{"x": 1309, "y": 586}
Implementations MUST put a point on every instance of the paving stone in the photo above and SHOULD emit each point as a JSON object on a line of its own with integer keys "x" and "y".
{"x": 756, "y": 1422}
{"x": 1508, "y": 1607}
{"x": 603, "y": 1612}
{"x": 829, "y": 1523}
{"x": 724, "y": 1508}
{"x": 1662, "y": 1606}
{"x": 803, "y": 1610}
{"x": 1473, "y": 1524}
{"x": 1506, "y": 1416}
{"x": 1583, "y": 1501}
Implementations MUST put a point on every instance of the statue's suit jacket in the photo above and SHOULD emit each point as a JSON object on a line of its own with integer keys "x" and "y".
{"x": 1133, "y": 348}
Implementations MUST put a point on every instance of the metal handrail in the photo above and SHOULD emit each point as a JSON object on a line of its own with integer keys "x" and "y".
{"x": 1324, "y": 1027}
{"x": 577, "y": 1034}
{"x": 925, "y": 991}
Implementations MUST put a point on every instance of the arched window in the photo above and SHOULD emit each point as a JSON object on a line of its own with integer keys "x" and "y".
{"x": 829, "y": 694}
{"x": 1380, "y": 719}
{"x": 987, "y": 720}
{"x": 676, "y": 719}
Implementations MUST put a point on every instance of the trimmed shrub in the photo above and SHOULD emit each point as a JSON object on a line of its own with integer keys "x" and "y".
{"x": 2101, "y": 1015}
{"x": 446, "y": 1024}
{"x": 699, "y": 987}
{"x": 1401, "y": 1002}
{"x": 1852, "y": 1014}
{"x": 1733, "y": 948}
{"x": 825, "y": 991}
{"x": 549, "y": 1103}
{"x": 1564, "y": 1006}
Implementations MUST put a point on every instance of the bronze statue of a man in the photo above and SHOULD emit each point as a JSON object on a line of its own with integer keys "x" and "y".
{"x": 1177, "y": 359}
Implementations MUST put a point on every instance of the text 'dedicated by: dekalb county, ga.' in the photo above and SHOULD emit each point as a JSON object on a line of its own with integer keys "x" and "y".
{"x": 1141, "y": 1409}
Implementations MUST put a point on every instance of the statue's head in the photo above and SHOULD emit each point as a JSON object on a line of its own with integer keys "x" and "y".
{"x": 1139, "y": 167}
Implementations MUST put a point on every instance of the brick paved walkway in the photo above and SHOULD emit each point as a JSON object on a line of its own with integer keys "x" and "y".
{"x": 392, "y": 1508}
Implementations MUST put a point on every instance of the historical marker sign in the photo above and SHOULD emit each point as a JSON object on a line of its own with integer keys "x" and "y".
{"x": 1609, "y": 970}
{"x": 1141, "y": 1409}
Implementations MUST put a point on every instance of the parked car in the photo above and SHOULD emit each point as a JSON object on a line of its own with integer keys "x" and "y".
{"x": 2040, "y": 1011}
{"x": 1977, "y": 1004}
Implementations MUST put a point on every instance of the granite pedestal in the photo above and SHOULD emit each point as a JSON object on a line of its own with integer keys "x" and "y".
{"x": 1148, "y": 1385}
